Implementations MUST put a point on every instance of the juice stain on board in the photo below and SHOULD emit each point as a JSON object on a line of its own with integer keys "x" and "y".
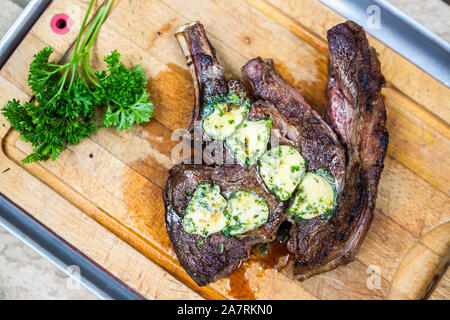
{"x": 172, "y": 94}
{"x": 274, "y": 257}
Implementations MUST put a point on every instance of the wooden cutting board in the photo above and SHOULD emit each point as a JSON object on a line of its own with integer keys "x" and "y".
{"x": 104, "y": 195}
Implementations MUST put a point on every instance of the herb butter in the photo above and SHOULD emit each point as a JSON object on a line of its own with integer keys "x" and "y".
{"x": 250, "y": 140}
{"x": 204, "y": 214}
{"x": 281, "y": 169}
{"x": 246, "y": 210}
{"x": 222, "y": 117}
{"x": 316, "y": 196}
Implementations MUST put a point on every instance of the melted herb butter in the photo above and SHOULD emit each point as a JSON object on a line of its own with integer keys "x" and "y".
{"x": 249, "y": 142}
{"x": 316, "y": 196}
{"x": 223, "y": 115}
{"x": 204, "y": 214}
{"x": 281, "y": 169}
{"x": 246, "y": 210}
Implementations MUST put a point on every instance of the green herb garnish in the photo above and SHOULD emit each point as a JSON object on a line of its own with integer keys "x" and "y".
{"x": 68, "y": 95}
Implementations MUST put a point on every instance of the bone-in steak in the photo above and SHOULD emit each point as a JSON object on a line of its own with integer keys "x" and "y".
{"x": 214, "y": 257}
{"x": 354, "y": 156}
{"x": 356, "y": 112}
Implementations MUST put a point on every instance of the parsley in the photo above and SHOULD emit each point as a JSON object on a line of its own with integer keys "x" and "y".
{"x": 68, "y": 95}
{"x": 124, "y": 92}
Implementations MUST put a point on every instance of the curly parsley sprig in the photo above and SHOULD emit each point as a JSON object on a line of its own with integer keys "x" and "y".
{"x": 68, "y": 95}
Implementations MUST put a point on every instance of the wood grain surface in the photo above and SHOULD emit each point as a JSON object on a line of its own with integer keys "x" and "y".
{"x": 104, "y": 195}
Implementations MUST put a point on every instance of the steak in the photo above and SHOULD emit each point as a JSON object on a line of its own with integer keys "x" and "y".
{"x": 356, "y": 112}
{"x": 295, "y": 122}
{"x": 351, "y": 146}
{"x": 218, "y": 255}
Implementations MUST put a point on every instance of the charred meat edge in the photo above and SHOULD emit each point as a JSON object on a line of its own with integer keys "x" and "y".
{"x": 357, "y": 113}
{"x": 218, "y": 255}
{"x": 294, "y": 119}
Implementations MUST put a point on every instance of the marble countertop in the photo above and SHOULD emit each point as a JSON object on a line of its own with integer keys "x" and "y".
{"x": 24, "y": 274}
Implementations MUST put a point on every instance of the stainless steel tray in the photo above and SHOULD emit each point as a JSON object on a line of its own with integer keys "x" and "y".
{"x": 401, "y": 33}
{"x": 31, "y": 231}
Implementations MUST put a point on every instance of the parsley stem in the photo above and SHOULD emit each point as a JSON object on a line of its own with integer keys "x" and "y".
{"x": 90, "y": 31}
{"x": 62, "y": 83}
{"x": 83, "y": 25}
{"x": 103, "y": 12}
{"x": 102, "y": 15}
{"x": 74, "y": 69}
{"x": 89, "y": 39}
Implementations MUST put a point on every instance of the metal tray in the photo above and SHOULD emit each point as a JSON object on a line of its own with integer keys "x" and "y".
{"x": 31, "y": 231}
{"x": 398, "y": 31}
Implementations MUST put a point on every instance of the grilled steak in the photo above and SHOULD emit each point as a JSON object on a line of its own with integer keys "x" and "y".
{"x": 218, "y": 255}
{"x": 356, "y": 112}
{"x": 354, "y": 156}
{"x": 295, "y": 121}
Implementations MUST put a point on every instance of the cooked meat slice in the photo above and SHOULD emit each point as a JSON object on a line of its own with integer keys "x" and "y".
{"x": 314, "y": 139}
{"x": 357, "y": 113}
{"x": 217, "y": 255}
